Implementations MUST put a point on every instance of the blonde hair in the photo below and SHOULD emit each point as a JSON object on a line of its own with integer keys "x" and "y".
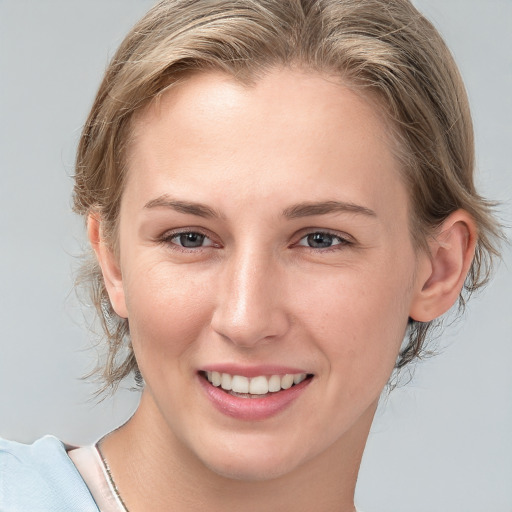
{"x": 384, "y": 48}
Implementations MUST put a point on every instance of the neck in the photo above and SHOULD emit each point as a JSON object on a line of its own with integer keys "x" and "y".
{"x": 154, "y": 471}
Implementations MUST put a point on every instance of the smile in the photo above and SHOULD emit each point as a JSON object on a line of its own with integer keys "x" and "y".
{"x": 255, "y": 387}
{"x": 253, "y": 393}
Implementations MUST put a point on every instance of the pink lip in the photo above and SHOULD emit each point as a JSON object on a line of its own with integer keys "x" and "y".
{"x": 252, "y": 371}
{"x": 252, "y": 409}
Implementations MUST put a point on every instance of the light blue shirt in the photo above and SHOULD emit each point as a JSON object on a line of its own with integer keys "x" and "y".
{"x": 41, "y": 478}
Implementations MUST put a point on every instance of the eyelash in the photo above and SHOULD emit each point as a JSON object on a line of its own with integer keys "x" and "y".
{"x": 342, "y": 241}
{"x": 168, "y": 238}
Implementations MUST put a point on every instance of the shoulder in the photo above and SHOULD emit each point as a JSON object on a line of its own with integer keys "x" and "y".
{"x": 40, "y": 477}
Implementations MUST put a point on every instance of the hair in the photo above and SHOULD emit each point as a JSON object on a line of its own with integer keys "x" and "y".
{"x": 385, "y": 49}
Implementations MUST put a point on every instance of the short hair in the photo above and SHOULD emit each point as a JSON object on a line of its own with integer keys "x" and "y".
{"x": 384, "y": 49}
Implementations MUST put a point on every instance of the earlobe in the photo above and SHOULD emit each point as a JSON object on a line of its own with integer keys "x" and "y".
{"x": 109, "y": 264}
{"x": 451, "y": 253}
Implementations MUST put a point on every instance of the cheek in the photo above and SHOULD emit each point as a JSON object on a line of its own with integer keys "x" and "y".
{"x": 359, "y": 320}
{"x": 167, "y": 309}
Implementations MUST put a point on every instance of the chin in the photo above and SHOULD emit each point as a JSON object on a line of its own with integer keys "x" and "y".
{"x": 252, "y": 462}
{"x": 247, "y": 471}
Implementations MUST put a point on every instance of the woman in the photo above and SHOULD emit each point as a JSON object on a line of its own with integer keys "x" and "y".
{"x": 276, "y": 194}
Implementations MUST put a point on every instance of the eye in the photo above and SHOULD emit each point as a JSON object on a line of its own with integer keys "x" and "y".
{"x": 322, "y": 240}
{"x": 190, "y": 240}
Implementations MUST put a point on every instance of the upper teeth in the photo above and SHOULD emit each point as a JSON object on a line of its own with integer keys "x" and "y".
{"x": 260, "y": 385}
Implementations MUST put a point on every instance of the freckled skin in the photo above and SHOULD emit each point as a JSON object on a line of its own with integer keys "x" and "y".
{"x": 258, "y": 293}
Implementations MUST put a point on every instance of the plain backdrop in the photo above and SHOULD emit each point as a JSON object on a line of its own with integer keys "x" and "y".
{"x": 441, "y": 443}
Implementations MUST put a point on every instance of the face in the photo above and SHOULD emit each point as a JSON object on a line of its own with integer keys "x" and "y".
{"x": 264, "y": 232}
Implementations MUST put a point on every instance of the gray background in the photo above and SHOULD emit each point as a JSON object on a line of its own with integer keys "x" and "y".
{"x": 441, "y": 443}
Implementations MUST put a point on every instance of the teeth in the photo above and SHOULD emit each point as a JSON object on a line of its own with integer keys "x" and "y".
{"x": 298, "y": 378}
{"x": 215, "y": 379}
{"x": 274, "y": 383}
{"x": 226, "y": 381}
{"x": 240, "y": 384}
{"x": 260, "y": 385}
{"x": 287, "y": 381}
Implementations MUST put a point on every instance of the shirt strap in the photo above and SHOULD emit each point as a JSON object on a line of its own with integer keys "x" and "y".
{"x": 90, "y": 465}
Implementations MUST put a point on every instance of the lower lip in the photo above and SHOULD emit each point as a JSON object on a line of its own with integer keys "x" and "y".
{"x": 252, "y": 409}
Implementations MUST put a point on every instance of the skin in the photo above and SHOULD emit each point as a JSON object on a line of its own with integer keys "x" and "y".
{"x": 257, "y": 293}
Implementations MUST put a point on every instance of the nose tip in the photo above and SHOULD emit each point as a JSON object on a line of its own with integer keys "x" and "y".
{"x": 250, "y": 306}
{"x": 248, "y": 333}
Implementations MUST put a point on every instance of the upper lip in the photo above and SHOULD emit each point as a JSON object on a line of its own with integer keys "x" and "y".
{"x": 253, "y": 370}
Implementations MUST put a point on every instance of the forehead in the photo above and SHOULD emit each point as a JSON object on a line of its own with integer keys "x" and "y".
{"x": 288, "y": 127}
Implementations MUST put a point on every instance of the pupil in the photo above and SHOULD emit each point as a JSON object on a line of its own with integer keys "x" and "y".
{"x": 191, "y": 239}
{"x": 319, "y": 240}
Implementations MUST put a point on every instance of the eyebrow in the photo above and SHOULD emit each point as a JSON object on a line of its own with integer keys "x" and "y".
{"x": 308, "y": 209}
{"x": 187, "y": 207}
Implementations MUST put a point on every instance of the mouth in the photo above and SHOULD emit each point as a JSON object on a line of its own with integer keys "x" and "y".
{"x": 260, "y": 386}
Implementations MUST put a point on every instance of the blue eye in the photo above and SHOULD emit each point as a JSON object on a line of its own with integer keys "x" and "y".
{"x": 321, "y": 240}
{"x": 190, "y": 240}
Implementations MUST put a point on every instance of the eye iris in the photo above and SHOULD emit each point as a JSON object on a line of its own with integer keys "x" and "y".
{"x": 191, "y": 240}
{"x": 320, "y": 240}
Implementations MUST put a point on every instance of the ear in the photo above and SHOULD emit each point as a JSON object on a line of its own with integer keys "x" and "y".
{"x": 441, "y": 278}
{"x": 109, "y": 264}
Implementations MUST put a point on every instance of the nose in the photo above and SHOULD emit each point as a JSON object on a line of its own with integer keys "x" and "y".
{"x": 251, "y": 304}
